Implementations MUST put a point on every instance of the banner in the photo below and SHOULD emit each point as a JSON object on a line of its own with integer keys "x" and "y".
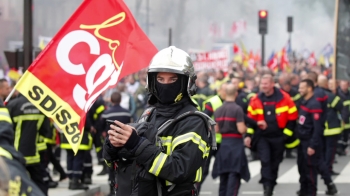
{"x": 97, "y": 46}
{"x": 217, "y": 60}
{"x": 342, "y": 68}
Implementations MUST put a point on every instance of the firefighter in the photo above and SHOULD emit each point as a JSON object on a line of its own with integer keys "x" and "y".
{"x": 275, "y": 113}
{"x": 310, "y": 131}
{"x": 333, "y": 124}
{"x": 210, "y": 106}
{"x": 75, "y": 162}
{"x": 95, "y": 134}
{"x": 172, "y": 167}
{"x": 230, "y": 161}
{"x": 115, "y": 112}
{"x": 284, "y": 82}
{"x": 203, "y": 91}
{"x": 14, "y": 176}
{"x": 344, "y": 94}
{"x": 322, "y": 168}
{"x": 29, "y": 123}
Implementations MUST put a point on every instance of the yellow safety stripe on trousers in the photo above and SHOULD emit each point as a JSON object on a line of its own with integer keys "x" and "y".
{"x": 33, "y": 159}
{"x": 5, "y": 153}
{"x": 281, "y": 109}
{"x": 158, "y": 164}
{"x": 288, "y": 132}
{"x": 250, "y": 131}
{"x": 5, "y": 115}
{"x": 98, "y": 111}
{"x": 256, "y": 111}
{"x": 293, "y": 144}
{"x": 191, "y": 136}
{"x": 335, "y": 101}
{"x": 345, "y": 103}
{"x": 199, "y": 174}
{"x": 333, "y": 131}
{"x": 296, "y": 97}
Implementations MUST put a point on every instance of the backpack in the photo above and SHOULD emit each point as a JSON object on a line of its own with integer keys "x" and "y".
{"x": 127, "y": 168}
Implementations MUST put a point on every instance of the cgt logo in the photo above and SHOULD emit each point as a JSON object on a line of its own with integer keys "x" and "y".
{"x": 107, "y": 62}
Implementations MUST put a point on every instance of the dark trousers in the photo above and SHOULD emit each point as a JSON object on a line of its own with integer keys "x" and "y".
{"x": 75, "y": 164}
{"x": 322, "y": 167}
{"x": 270, "y": 151}
{"x": 57, "y": 153}
{"x": 44, "y": 162}
{"x": 87, "y": 163}
{"x": 37, "y": 173}
{"x": 52, "y": 159}
{"x": 206, "y": 167}
{"x": 229, "y": 184}
{"x": 345, "y": 138}
{"x": 330, "y": 150}
{"x": 98, "y": 143}
{"x": 307, "y": 167}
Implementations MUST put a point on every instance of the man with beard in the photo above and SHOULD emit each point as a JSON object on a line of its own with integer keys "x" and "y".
{"x": 310, "y": 131}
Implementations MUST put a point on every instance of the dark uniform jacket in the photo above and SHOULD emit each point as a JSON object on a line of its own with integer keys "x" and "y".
{"x": 345, "y": 97}
{"x": 333, "y": 124}
{"x": 28, "y": 123}
{"x": 203, "y": 94}
{"x": 321, "y": 96}
{"x": 294, "y": 94}
{"x": 310, "y": 125}
{"x": 18, "y": 180}
{"x": 184, "y": 150}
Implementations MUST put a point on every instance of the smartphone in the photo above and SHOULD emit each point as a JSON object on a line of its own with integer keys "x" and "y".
{"x": 111, "y": 122}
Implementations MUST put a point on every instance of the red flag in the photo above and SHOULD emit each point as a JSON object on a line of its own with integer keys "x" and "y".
{"x": 284, "y": 60}
{"x": 97, "y": 46}
{"x": 312, "y": 60}
{"x": 273, "y": 64}
{"x": 236, "y": 49}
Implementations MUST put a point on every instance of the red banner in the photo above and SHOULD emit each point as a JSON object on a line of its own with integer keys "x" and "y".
{"x": 217, "y": 60}
{"x": 98, "y": 45}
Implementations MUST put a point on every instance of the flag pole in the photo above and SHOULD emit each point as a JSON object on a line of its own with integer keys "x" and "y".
{"x": 335, "y": 45}
{"x": 9, "y": 96}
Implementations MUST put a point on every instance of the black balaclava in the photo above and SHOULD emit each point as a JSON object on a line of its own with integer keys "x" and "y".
{"x": 167, "y": 93}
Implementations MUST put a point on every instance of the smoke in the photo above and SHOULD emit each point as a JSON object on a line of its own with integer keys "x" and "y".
{"x": 191, "y": 21}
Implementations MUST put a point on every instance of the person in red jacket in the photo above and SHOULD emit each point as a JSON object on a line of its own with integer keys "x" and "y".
{"x": 276, "y": 115}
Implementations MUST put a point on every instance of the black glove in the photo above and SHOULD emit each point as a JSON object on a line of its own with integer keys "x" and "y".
{"x": 133, "y": 141}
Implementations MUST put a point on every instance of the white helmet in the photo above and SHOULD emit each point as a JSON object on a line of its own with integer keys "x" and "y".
{"x": 172, "y": 60}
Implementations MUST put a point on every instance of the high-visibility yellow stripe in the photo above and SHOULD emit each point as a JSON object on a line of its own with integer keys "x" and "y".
{"x": 335, "y": 101}
{"x": 98, "y": 149}
{"x": 5, "y": 153}
{"x": 250, "y": 130}
{"x": 32, "y": 159}
{"x": 191, "y": 136}
{"x": 292, "y": 110}
{"x": 167, "y": 142}
{"x": 347, "y": 126}
{"x": 199, "y": 174}
{"x": 282, "y": 109}
{"x": 98, "y": 111}
{"x": 158, "y": 164}
{"x": 200, "y": 96}
{"x": 333, "y": 131}
{"x": 41, "y": 146}
{"x": 256, "y": 111}
{"x": 287, "y": 132}
{"x": 293, "y": 144}
{"x": 5, "y": 115}
{"x": 296, "y": 97}
{"x": 345, "y": 103}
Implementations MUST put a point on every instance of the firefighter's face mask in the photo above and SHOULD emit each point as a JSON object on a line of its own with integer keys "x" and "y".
{"x": 169, "y": 87}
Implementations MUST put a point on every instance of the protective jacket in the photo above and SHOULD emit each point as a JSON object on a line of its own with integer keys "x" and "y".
{"x": 333, "y": 124}
{"x": 279, "y": 112}
{"x": 19, "y": 183}
{"x": 175, "y": 162}
{"x": 29, "y": 123}
{"x": 345, "y": 97}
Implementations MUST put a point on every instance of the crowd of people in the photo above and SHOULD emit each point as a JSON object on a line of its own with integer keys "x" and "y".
{"x": 276, "y": 114}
